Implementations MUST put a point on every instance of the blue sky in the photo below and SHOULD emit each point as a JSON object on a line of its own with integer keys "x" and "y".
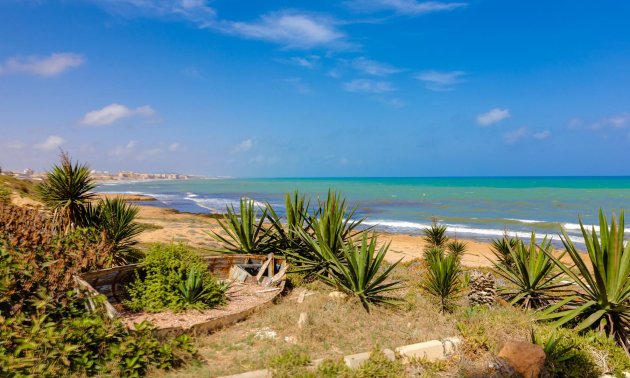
{"x": 318, "y": 88}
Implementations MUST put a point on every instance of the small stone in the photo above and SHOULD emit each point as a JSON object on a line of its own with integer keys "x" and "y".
{"x": 266, "y": 333}
{"x": 290, "y": 339}
{"x": 523, "y": 359}
{"x": 338, "y": 295}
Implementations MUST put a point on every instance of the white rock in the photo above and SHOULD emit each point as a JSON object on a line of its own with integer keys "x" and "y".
{"x": 337, "y": 295}
{"x": 302, "y": 320}
{"x": 265, "y": 333}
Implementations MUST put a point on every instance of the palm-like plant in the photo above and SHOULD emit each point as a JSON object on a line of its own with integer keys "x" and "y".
{"x": 456, "y": 247}
{"x": 115, "y": 219}
{"x": 66, "y": 190}
{"x": 443, "y": 279}
{"x": 359, "y": 272}
{"x": 200, "y": 292}
{"x": 501, "y": 249}
{"x": 435, "y": 235}
{"x": 297, "y": 218}
{"x": 330, "y": 227}
{"x": 244, "y": 229}
{"x": 603, "y": 301}
{"x": 532, "y": 276}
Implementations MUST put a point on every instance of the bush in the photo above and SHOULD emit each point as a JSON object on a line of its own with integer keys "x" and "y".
{"x": 164, "y": 268}
{"x": 5, "y": 195}
{"x": 443, "y": 279}
{"x": 59, "y": 341}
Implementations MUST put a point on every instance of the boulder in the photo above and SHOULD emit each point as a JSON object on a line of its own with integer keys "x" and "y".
{"x": 523, "y": 359}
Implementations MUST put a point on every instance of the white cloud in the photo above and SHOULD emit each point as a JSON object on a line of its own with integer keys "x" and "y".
{"x": 51, "y": 143}
{"x": 244, "y": 145}
{"x": 49, "y": 66}
{"x": 196, "y": 11}
{"x": 124, "y": 150}
{"x": 311, "y": 61}
{"x": 290, "y": 29}
{"x": 372, "y": 67}
{"x": 112, "y": 113}
{"x": 263, "y": 159}
{"x": 493, "y": 116}
{"x": 368, "y": 86}
{"x": 620, "y": 121}
{"x": 174, "y": 147}
{"x": 440, "y": 80}
{"x": 513, "y": 136}
{"x": 542, "y": 134}
{"x": 299, "y": 85}
{"x": 405, "y": 7}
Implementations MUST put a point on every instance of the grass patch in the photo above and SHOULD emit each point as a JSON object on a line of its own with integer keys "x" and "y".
{"x": 23, "y": 187}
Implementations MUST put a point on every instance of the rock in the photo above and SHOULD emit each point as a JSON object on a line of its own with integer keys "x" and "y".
{"x": 290, "y": 339}
{"x": 483, "y": 289}
{"x": 523, "y": 359}
{"x": 265, "y": 333}
{"x": 338, "y": 295}
{"x": 302, "y": 320}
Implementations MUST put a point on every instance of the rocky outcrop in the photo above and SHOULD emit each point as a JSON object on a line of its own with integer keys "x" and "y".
{"x": 483, "y": 289}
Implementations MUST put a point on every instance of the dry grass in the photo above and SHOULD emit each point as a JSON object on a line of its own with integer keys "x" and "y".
{"x": 339, "y": 327}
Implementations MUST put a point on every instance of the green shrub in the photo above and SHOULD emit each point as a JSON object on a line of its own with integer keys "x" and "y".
{"x": 379, "y": 366}
{"x": 245, "y": 230}
{"x": 5, "y": 195}
{"x": 443, "y": 279}
{"x": 61, "y": 341}
{"x": 360, "y": 274}
{"x": 532, "y": 276}
{"x": 291, "y": 363}
{"x": 603, "y": 301}
{"x": 435, "y": 235}
{"x": 164, "y": 268}
{"x": 501, "y": 249}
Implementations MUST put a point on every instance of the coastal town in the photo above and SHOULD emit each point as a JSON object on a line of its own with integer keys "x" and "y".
{"x": 105, "y": 175}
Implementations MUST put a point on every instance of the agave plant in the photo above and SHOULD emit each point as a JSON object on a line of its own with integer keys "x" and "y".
{"x": 443, "y": 279}
{"x": 199, "y": 292}
{"x": 115, "y": 220}
{"x": 432, "y": 253}
{"x": 67, "y": 190}
{"x": 554, "y": 349}
{"x": 297, "y": 218}
{"x": 331, "y": 226}
{"x": 603, "y": 299}
{"x": 532, "y": 276}
{"x": 435, "y": 235}
{"x": 456, "y": 247}
{"x": 244, "y": 229}
{"x": 359, "y": 273}
{"x": 501, "y": 249}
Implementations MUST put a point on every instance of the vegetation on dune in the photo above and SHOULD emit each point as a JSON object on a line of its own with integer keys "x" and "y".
{"x": 435, "y": 236}
{"x": 361, "y": 273}
{"x": 501, "y": 249}
{"x": 23, "y": 187}
{"x": 245, "y": 230}
{"x": 443, "y": 279}
{"x": 67, "y": 191}
{"x": 285, "y": 236}
{"x": 603, "y": 301}
{"x": 173, "y": 278}
{"x": 532, "y": 275}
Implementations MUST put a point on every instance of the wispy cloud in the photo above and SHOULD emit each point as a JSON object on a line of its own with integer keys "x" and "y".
{"x": 440, "y": 80}
{"x": 112, "y": 113}
{"x": 368, "y": 86}
{"x": 311, "y": 61}
{"x": 515, "y": 135}
{"x": 374, "y": 68}
{"x": 542, "y": 135}
{"x": 293, "y": 30}
{"x": 300, "y": 86}
{"x": 52, "y": 65}
{"x": 51, "y": 143}
{"x": 123, "y": 150}
{"x": 197, "y": 11}
{"x": 244, "y": 145}
{"x": 405, "y": 7}
{"x": 493, "y": 116}
{"x": 619, "y": 121}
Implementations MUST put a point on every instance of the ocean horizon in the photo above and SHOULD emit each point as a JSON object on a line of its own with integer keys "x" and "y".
{"x": 480, "y": 208}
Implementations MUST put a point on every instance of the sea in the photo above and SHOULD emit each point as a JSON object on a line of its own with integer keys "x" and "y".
{"x": 480, "y": 208}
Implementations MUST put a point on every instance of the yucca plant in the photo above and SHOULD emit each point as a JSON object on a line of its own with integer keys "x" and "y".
{"x": 245, "y": 230}
{"x": 603, "y": 299}
{"x": 555, "y": 350}
{"x": 360, "y": 274}
{"x": 443, "y": 279}
{"x": 115, "y": 219}
{"x": 330, "y": 227}
{"x": 287, "y": 236}
{"x": 66, "y": 190}
{"x": 432, "y": 254}
{"x": 533, "y": 279}
{"x": 435, "y": 235}
{"x": 201, "y": 292}
{"x": 501, "y": 249}
{"x": 456, "y": 247}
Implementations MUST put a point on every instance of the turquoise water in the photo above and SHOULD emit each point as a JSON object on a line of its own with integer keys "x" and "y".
{"x": 480, "y": 208}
